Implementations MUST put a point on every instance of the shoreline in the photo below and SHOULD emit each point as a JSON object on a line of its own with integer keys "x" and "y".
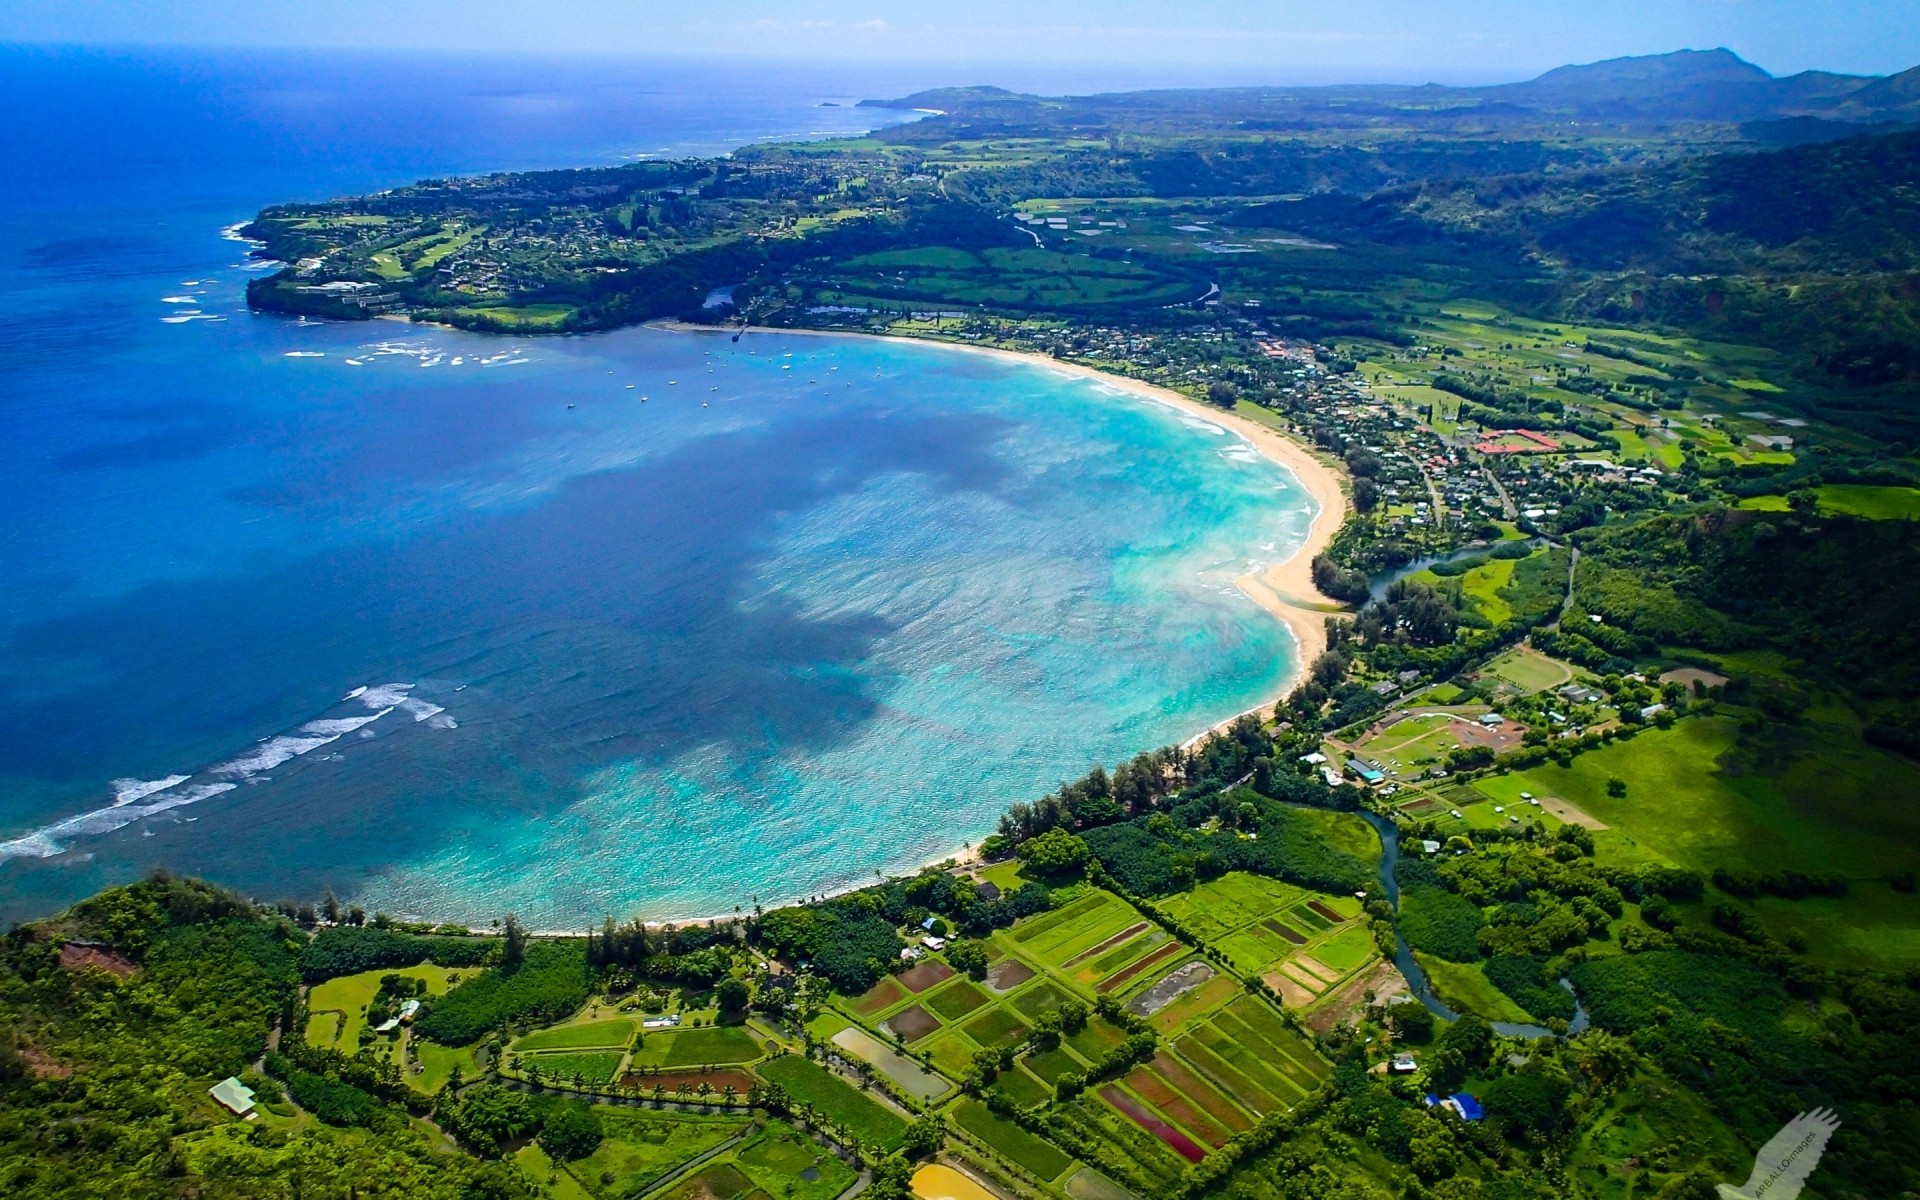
{"x": 1284, "y": 590}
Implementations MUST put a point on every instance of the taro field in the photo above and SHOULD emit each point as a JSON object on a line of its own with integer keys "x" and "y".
{"x": 1303, "y": 944}
{"x": 1225, "y": 1057}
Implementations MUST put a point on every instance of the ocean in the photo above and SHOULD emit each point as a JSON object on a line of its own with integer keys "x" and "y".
{"x": 638, "y": 623}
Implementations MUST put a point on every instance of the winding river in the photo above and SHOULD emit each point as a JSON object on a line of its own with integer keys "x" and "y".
{"x": 1410, "y": 967}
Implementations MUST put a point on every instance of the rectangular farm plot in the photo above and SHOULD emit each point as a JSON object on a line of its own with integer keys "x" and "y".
{"x": 1262, "y": 1076}
{"x": 1138, "y": 1113}
{"x": 1027, "y": 1151}
{"x": 923, "y": 976}
{"x": 1066, "y": 942}
{"x": 995, "y": 1027}
{"x": 593, "y": 1035}
{"x": 588, "y": 1066}
{"x": 912, "y": 1024}
{"x": 810, "y": 1083}
{"x": 1136, "y": 947}
{"x": 673, "y": 1083}
{"x": 879, "y": 998}
{"x": 1148, "y": 1085}
{"x": 1293, "y": 993}
{"x": 1131, "y": 931}
{"x": 1022, "y": 1088}
{"x": 1262, "y": 1030}
{"x": 1139, "y": 967}
{"x": 1347, "y": 950}
{"x": 1233, "y": 901}
{"x": 916, "y": 1079}
{"x": 1051, "y": 1065}
{"x": 1210, "y": 993}
{"x": 952, "y": 1052}
{"x": 1034, "y": 927}
{"x": 1096, "y": 1039}
{"x": 1309, "y": 920}
{"x": 1041, "y": 997}
{"x": 1293, "y": 936}
{"x": 1203, "y": 1094}
{"x": 712, "y": 1045}
{"x": 1008, "y": 974}
{"x": 1232, "y": 1081}
{"x": 956, "y": 1000}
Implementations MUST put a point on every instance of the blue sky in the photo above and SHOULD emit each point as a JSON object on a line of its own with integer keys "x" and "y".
{"x": 1115, "y": 41}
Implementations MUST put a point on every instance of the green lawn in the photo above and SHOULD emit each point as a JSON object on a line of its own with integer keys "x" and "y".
{"x": 809, "y": 1083}
{"x": 1530, "y": 671}
{"x": 438, "y": 1063}
{"x": 585, "y": 1035}
{"x": 349, "y": 996}
{"x": 553, "y": 1179}
{"x": 1461, "y": 987}
{"x": 715, "y": 1044}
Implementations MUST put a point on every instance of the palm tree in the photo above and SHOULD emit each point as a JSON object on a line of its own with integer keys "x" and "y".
{"x": 659, "y": 1092}
{"x": 731, "y": 1093}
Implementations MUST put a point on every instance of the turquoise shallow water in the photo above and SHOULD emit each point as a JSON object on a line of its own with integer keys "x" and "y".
{"x": 456, "y": 625}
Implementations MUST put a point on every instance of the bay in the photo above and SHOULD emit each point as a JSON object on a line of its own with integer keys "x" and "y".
{"x": 642, "y": 622}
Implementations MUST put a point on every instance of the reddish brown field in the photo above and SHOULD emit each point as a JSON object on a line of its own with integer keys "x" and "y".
{"x": 924, "y": 976}
{"x": 912, "y": 1024}
{"x": 672, "y": 1080}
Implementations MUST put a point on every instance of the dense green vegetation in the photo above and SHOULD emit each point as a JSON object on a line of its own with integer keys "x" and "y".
{"x": 551, "y": 983}
{"x": 105, "y": 1065}
{"x": 349, "y": 950}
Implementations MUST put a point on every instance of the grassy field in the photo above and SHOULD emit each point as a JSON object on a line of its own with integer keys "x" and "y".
{"x": 584, "y": 1035}
{"x": 1855, "y": 500}
{"x": 811, "y": 1084}
{"x": 547, "y": 1174}
{"x": 638, "y": 1147}
{"x": 789, "y": 1164}
{"x": 1529, "y": 670}
{"x": 350, "y": 995}
{"x": 1462, "y": 987}
{"x": 714, "y": 1044}
{"x": 1810, "y": 797}
{"x": 1022, "y": 1148}
{"x": 437, "y": 1063}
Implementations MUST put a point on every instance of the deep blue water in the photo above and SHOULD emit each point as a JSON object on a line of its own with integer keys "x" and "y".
{"x": 456, "y": 624}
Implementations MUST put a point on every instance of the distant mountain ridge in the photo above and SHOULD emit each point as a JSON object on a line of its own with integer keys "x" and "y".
{"x": 1683, "y": 86}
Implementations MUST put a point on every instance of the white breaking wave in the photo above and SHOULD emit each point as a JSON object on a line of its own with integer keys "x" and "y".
{"x": 341, "y": 725}
{"x": 134, "y": 799}
{"x": 46, "y": 842}
{"x": 272, "y": 753}
{"x": 126, "y": 791}
{"x": 381, "y": 695}
{"x": 420, "y": 710}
